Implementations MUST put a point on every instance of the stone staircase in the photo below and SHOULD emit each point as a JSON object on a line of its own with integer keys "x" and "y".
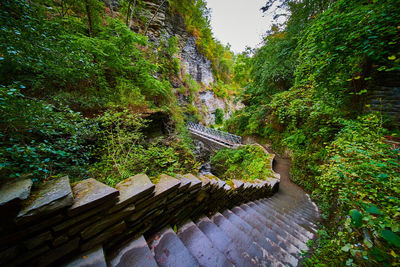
{"x": 266, "y": 232}
{"x": 181, "y": 221}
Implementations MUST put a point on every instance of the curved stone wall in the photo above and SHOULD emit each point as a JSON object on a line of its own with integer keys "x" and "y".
{"x": 47, "y": 226}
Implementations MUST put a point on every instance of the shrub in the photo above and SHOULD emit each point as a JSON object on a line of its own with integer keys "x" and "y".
{"x": 219, "y": 116}
{"x": 124, "y": 151}
{"x": 39, "y": 141}
{"x": 245, "y": 163}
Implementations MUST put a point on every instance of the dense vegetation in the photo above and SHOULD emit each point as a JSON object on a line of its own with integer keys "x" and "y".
{"x": 247, "y": 163}
{"x": 307, "y": 97}
{"x": 81, "y": 85}
{"x": 82, "y": 89}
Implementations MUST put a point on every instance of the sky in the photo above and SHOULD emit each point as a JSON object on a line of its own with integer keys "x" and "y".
{"x": 239, "y": 22}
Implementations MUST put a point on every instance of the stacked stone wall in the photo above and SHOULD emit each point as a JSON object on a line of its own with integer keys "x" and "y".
{"x": 384, "y": 95}
{"x": 58, "y": 221}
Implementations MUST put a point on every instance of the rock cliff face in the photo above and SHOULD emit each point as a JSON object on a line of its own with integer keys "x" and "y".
{"x": 165, "y": 24}
{"x": 211, "y": 103}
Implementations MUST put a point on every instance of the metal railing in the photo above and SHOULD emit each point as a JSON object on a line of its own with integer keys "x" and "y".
{"x": 215, "y": 134}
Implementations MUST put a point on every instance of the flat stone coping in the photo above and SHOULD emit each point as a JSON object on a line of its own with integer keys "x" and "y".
{"x": 89, "y": 193}
{"x": 54, "y": 195}
{"x": 133, "y": 189}
{"x": 19, "y": 190}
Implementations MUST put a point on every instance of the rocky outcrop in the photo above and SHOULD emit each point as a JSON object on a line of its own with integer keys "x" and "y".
{"x": 165, "y": 24}
{"x": 195, "y": 64}
{"x": 210, "y": 103}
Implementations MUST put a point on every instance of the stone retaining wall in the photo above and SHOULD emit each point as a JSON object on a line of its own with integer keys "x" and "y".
{"x": 45, "y": 227}
{"x": 384, "y": 95}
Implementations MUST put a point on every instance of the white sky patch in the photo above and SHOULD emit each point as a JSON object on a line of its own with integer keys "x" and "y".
{"x": 240, "y": 23}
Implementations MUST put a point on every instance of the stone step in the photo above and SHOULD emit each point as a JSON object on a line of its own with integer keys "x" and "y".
{"x": 263, "y": 241}
{"x": 201, "y": 247}
{"x": 300, "y": 234}
{"x": 224, "y": 243}
{"x": 298, "y": 214}
{"x": 257, "y": 222}
{"x": 290, "y": 220}
{"x": 292, "y": 205}
{"x": 303, "y": 205}
{"x": 169, "y": 251}
{"x": 298, "y": 218}
{"x": 243, "y": 241}
{"x": 92, "y": 258}
{"x": 134, "y": 253}
{"x": 293, "y": 219}
{"x": 284, "y": 234}
{"x": 292, "y": 215}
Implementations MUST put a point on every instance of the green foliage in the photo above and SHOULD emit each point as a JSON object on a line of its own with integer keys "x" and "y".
{"x": 39, "y": 141}
{"x": 309, "y": 82}
{"x": 197, "y": 21}
{"x": 74, "y": 56}
{"x": 124, "y": 152}
{"x": 361, "y": 179}
{"x": 242, "y": 68}
{"x": 246, "y": 163}
{"x": 57, "y": 53}
{"x": 219, "y": 116}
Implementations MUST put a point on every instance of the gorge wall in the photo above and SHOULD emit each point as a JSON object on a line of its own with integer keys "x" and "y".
{"x": 165, "y": 24}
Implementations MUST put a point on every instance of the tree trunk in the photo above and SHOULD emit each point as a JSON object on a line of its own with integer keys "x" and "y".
{"x": 128, "y": 12}
{"x": 133, "y": 10}
{"x": 89, "y": 14}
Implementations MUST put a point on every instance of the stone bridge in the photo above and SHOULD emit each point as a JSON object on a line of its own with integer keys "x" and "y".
{"x": 212, "y": 138}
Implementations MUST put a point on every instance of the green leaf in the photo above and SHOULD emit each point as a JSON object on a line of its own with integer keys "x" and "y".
{"x": 373, "y": 210}
{"x": 356, "y": 218}
{"x": 391, "y": 237}
{"x": 392, "y": 57}
{"x": 367, "y": 243}
{"x": 346, "y": 247}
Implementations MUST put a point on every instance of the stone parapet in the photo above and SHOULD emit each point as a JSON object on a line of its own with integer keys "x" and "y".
{"x": 59, "y": 221}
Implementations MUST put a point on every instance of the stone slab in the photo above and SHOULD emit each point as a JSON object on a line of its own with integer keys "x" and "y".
{"x": 237, "y": 184}
{"x": 57, "y": 253}
{"x": 104, "y": 236}
{"x": 166, "y": 185}
{"x": 135, "y": 253}
{"x": 92, "y": 258}
{"x": 224, "y": 243}
{"x": 195, "y": 183}
{"x": 15, "y": 191}
{"x": 133, "y": 189}
{"x": 90, "y": 193}
{"x": 185, "y": 183}
{"x": 16, "y": 236}
{"x": 170, "y": 251}
{"x": 78, "y": 219}
{"x": 54, "y": 195}
{"x": 29, "y": 255}
{"x": 105, "y": 222}
{"x": 38, "y": 240}
{"x": 201, "y": 247}
{"x": 204, "y": 180}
